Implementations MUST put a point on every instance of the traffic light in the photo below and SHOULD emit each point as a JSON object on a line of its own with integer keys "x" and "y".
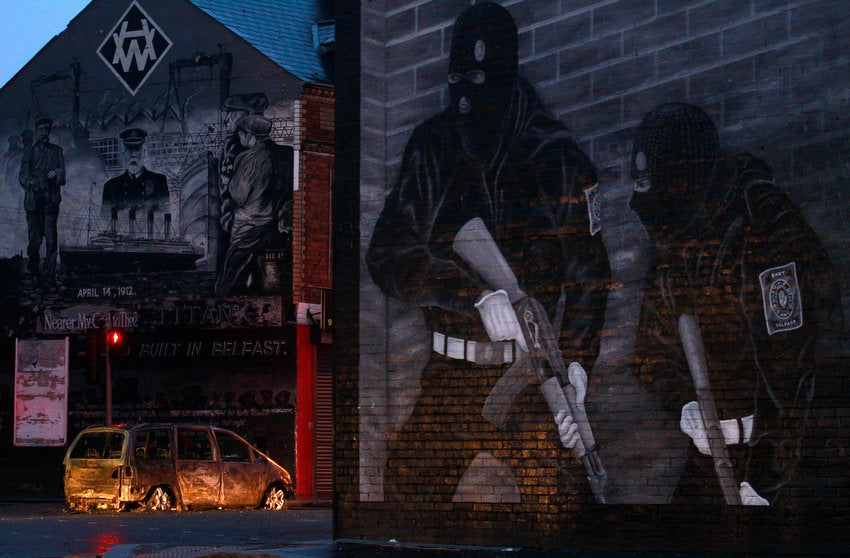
{"x": 115, "y": 344}
{"x": 115, "y": 338}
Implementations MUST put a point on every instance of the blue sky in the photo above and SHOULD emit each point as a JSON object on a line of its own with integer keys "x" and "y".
{"x": 27, "y": 25}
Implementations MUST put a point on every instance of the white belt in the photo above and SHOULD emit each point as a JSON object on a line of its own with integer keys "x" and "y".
{"x": 478, "y": 352}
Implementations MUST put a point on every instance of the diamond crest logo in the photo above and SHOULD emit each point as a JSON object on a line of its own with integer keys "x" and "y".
{"x": 134, "y": 48}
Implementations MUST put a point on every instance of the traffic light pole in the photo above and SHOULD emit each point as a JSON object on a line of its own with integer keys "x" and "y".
{"x": 108, "y": 386}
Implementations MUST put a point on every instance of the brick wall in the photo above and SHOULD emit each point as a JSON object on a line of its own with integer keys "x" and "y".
{"x": 312, "y": 254}
{"x": 770, "y": 74}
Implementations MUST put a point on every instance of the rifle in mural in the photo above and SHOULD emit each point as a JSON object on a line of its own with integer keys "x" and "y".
{"x": 692, "y": 344}
{"x": 476, "y": 246}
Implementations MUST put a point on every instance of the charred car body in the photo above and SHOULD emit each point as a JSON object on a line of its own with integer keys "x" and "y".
{"x": 170, "y": 466}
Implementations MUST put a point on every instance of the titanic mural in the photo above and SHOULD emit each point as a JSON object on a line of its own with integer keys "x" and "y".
{"x": 140, "y": 187}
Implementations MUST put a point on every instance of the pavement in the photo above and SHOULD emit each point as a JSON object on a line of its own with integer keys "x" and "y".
{"x": 356, "y": 548}
{"x": 343, "y": 548}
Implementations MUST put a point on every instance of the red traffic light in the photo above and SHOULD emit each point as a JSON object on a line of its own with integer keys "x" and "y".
{"x": 114, "y": 337}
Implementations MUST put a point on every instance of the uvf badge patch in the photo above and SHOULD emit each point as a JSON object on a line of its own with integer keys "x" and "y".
{"x": 780, "y": 292}
{"x": 594, "y": 208}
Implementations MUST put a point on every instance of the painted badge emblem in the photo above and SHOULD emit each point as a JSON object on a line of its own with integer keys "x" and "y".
{"x": 783, "y": 306}
{"x": 134, "y": 48}
{"x": 594, "y": 208}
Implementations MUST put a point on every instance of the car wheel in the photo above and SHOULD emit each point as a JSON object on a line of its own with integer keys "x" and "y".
{"x": 275, "y": 499}
{"x": 160, "y": 499}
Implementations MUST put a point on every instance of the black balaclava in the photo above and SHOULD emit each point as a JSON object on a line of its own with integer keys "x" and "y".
{"x": 483, "y": 66}
{"x": 675, "y": 159}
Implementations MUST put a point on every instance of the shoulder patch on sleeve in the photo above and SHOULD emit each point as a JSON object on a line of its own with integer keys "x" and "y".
{"x": 780, "y": 293}
{"x": 594, "y": 208}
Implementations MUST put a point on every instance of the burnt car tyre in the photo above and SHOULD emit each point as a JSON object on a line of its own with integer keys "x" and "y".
{"x": 275, "y": 499}
{"x": 160, "y": 499}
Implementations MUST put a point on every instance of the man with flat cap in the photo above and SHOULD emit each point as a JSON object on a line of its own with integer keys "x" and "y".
{"x": 41, "y": 175}
{"x": 137, "y": 188}
{"x": 254, "y": 207}
{"x": 234, "y": 108}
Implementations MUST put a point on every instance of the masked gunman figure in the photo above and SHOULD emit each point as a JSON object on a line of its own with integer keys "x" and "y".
{"x": 735, "y": 259}
{"x": 494, "y": 158}
{"x": 41, "y": 175}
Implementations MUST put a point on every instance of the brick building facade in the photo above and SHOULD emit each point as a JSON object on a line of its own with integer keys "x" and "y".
{"x": 202, "y": 344}
{"x": 769, "y": 77}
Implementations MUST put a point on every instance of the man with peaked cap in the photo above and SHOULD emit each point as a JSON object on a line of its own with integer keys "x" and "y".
{"x": 495, "y": 154}
{"x": 138, "y": 187}
{"x": 41, "y": 176}
{"x": 733, "y": 252}
{"x": 254, "y": 208}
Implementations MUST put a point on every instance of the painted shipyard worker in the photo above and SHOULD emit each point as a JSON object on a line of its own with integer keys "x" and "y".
{"x": 491, "y": 210}
{"x": 737, "y": 259}
{"x": 138, "y": 187}
{"x": 41, "y": 175}
{"x": 235, "y": 108}
{"x": 255, "y": 209}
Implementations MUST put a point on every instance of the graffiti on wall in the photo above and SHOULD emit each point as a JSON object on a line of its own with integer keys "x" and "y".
{"x": 492, "y": 230}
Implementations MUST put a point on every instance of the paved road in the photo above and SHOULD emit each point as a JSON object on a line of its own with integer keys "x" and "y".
{"x": 48, "y": 530}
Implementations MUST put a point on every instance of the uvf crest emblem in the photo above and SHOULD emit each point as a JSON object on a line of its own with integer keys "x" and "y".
{"x": 783, "y": 305}
{"x": 134, "y": 47}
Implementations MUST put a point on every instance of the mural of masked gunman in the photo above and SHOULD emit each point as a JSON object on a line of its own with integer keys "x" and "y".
{"x": 41, "y": 176}
{"x": 740, "y": 295}
{"x": 488, "y": 231}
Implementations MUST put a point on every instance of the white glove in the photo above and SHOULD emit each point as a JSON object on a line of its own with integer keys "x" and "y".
{"x": 692, "y": 425}
{"x": 500, "y": 319}
{"x": 749, "y": 497}
{"x": 578, "y": 379}
{"x": 567, "y": 429}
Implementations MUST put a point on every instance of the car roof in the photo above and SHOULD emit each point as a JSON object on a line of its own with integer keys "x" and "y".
{"x": 146, "y": 425}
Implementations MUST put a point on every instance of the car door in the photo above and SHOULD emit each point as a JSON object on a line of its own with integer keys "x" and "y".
{"x": 93, "y": 464}
{"x": 240, "y": 478}
{"x": 153, "y": 457}
{"x": 198, "y": 469}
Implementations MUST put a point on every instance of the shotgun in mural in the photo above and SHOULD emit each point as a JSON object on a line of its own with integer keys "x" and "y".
{"x": 490, "y": 207}
{"x": 739, "y": 299}
{"x": 492, "y": 230}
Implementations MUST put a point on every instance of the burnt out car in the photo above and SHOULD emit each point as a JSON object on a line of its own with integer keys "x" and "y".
{"x": 170, "y": 466}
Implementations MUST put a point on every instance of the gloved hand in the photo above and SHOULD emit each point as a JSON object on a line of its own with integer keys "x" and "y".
{"x": 567, "y": 429}
{"x": 578, "y": 378}
{"x": 749, "y": 497}
{"x": 692, "y": 425}
{"x": 499, "y": 318}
